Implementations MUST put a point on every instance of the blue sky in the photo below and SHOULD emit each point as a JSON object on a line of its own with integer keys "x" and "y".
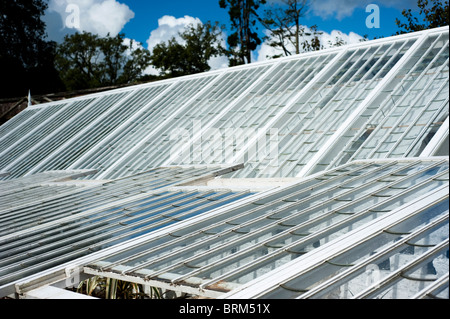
{"x": 151, "y": 21}
{"x": 148, "y": 13}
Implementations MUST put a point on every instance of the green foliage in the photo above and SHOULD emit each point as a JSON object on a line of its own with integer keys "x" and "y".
{"x": 89, "y": 286}
{"x": 244, "y": 39}
{"x": 432, "y": 14}
{"x": 26, "y": 58}
{"x": 86, "y": 60}
{"x": 201, "y": 43}
{"x": 78, "y": 61}
{"x": 21, "y": 29}
{"x": 107, "y": 288}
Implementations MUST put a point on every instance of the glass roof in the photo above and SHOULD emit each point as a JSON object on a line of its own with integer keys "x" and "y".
{"x": 357, "y": 132}
{"x": 104, "y": 124}
{"x": 287, "y": 117}
{"x": 44, "y": 232}
{"x": 222, "y": 93}
{"x": 54, "y": 127}
{"x": 22, "y": 191}
{"x": 316, "y": 115}
{"x": 138, "y": 128}
{"x": 226, "y": 250}
{"x": 407, "y": 113}
{"x": 258, "y": 108}
{"x": 397, "y": 263}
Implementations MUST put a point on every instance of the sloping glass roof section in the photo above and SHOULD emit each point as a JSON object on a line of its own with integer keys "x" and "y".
{"x": 26, "y": 116}
{"x": 317, "y": 114}
{"x": 59, "y": 125}
{"x": 314, "y": 133}
{"x": 407, "y": 113}
{"x": 288, "y": 117}
{"x": 403, "y": 257}
{"x": 38, "y": 236}
{"x": 235, "y": 128}
{"x": 142, "y": 125}
{"x": 38, "y": 211}
{"x": 22, "y": 128}
{"x": 228, "y": 248}
{"x": 95, "y": 132}
{"x": 15, "y": 187}
{"x": 220, "y": 95}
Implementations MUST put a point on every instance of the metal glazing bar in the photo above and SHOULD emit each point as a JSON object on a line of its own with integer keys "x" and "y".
{"x": 437, "y": 141}
{"x": 430, "y": 291}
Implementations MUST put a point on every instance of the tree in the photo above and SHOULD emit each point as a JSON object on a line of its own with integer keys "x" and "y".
{"x": 199, "y": 44}
{"x": 123, "y": 62}
{"x": 26, "y": 58}
{"x": 170, "y": 58}
{"x": 78, "y": 61}
{"x": 245, "y": 39}
{"x": 202, "y": 43}
{"x": 114, "y": 58}
{"x": 86, "y": 60}
{"x": 285, "y": 30}
{"x": 134, "y": 68}
{"x": 433, "y": 14}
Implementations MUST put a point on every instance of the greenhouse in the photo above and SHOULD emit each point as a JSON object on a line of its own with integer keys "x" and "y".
{"x": 320, "y": 175}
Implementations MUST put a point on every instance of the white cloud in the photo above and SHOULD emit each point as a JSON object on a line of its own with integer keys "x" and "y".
{"x": 337, "y": 9}
{"x": 96, "y": 16}
{"x": 218, "y": 62}
{"x": 132, "y": 45}
{"x": 327, "y": 40}
{"x": 168, "y": 27}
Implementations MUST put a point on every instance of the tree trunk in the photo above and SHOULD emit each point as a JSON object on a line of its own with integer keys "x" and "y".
{"x": 247, "y": 12}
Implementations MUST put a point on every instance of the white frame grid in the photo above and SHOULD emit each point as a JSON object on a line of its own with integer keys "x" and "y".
{"x": 329, "y": 100}
{"x": 230, "y": 227}
{"x": 217, "y": 98}
{"x": 352, "y": 240}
